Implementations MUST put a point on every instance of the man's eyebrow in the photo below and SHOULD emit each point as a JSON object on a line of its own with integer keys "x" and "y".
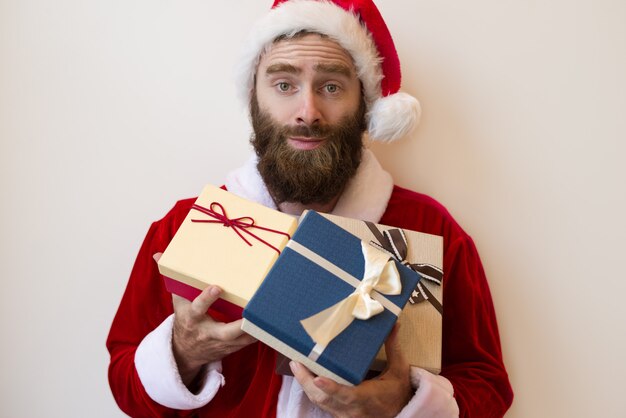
{"x": 333, "y": 69}
{"x": 282, "y": 67}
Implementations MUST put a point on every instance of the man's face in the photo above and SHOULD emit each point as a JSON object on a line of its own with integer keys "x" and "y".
{"x": 308, "y": 116}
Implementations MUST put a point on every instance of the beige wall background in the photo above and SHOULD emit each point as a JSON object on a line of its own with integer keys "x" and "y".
{"x": 111, "y": 111}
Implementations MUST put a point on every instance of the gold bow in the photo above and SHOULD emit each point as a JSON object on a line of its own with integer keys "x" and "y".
{"x": 380, "y": 275}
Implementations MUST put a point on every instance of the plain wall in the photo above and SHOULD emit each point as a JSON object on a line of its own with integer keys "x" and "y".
{"x": 111, "y": 111}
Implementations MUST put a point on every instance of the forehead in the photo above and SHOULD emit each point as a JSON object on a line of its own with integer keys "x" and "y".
{"x": 307, "y": 49}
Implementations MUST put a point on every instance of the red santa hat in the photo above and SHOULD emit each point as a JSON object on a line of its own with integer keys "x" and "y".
{"x": 359, "y": 28}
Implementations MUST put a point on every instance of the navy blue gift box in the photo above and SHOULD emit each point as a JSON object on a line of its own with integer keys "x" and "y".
{"x": 298, "y": 287}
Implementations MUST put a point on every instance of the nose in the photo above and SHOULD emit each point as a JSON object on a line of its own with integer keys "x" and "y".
{"x": 309, "y": 112}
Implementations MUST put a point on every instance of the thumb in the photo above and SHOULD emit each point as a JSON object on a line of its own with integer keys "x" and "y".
{"x": 157, "y": 256}
{"x": 396, "y": 359}
{"x": 204, "y": 300}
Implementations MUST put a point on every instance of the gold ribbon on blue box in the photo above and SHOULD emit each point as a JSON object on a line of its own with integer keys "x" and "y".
{"x": 329, "y": 301}
{"x": 421, "y": 331}
{"x": 380, "y": 277}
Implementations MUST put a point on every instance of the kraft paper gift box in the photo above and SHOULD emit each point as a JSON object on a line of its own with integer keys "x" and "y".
{"x": 236, "y": 257}
{"x": 421, "y": 318}
{"x": 317, "y": 274}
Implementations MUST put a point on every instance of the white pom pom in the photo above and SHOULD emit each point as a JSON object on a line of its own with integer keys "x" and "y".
{"x": 393, "y": 117}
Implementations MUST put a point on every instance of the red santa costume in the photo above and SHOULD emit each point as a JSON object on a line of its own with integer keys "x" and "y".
{"x": 473, "y": 382}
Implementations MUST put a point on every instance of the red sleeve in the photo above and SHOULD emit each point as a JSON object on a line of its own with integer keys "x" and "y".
{"x": 471, "y": 352}
{"x": 253, "y": 388}
{"x": 144, "y": 306}
{"x": 472, "y": 356}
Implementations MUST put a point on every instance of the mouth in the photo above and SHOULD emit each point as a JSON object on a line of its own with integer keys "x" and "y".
{"x": 305, "y": 143}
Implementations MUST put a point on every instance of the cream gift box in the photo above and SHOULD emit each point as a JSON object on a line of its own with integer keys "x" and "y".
{"x": 421, "y": 319}
{"x": 227, "y": 241}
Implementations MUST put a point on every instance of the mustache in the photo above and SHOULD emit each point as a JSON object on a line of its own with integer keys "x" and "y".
{"x": 315, "y": 131}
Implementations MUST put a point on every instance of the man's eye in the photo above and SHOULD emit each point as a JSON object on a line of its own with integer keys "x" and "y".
{"x": 331, "y": 88}
{"x": 283, "y": 87}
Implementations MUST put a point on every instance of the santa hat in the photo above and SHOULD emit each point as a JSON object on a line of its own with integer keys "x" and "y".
{"x": 359, "y": 28}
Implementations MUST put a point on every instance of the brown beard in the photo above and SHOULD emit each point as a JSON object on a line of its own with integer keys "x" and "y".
{"x": 307, "y": 176}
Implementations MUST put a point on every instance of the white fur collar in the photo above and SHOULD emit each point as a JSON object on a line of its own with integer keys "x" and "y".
{"x": 365, "y": 197}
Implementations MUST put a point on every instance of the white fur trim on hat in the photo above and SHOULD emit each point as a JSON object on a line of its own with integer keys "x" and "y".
{"x": 317, "y": 16}
{"x": 388, "y": 118}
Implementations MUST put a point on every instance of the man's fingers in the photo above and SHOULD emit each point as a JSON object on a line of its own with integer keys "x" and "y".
{"x": 157, "y": 256}
{"x": 392, "y": 343}
{"x": 312, "y": 383}
{"x": 179, "y": 302}
{"x": 342, "y": 393}
{"x": 300, "y": 372}
{"x": 320, "y": 390}
{"x": 204, "y": 300}
{"x": 245, "y": 339}
{"x": 305, "y": 378}
{"x": 228, "y": 331}
{"x": 327, "y": 385}
{"x": 396, "y": 359}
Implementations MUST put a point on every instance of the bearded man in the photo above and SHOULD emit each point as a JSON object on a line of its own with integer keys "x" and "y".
{"x": 317, "y": 75}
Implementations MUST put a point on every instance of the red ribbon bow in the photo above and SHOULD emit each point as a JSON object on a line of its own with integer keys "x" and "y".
{"x": 238, "y": 224}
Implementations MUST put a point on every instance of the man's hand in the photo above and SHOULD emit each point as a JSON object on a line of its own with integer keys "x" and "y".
{"x": 384, "y": 396}
{"x": 197, "y": 339}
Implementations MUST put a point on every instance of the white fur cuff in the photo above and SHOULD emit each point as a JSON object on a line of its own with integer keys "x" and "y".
{"x": 434, "y": 397}
{"x": 157, "y": 370}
